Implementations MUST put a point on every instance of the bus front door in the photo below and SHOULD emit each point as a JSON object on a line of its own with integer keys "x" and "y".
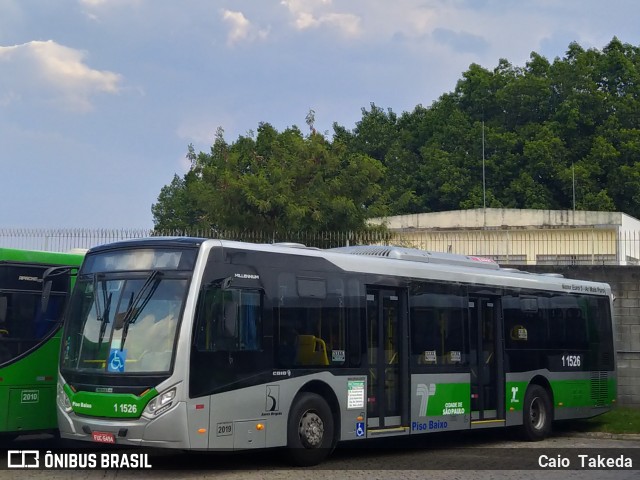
{"x": 385, "y": 410}
{"x": 486, "y": 364}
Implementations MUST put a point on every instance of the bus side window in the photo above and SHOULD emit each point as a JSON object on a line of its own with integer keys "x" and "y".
{"x": 425, "y": 337}
{"x": 230, "y": 320}
{"x": 4, "y": 304}
{"x": 577, "y": 329}
{"x": 47, "y": 321}
{"x": 5, "y": 352}
{"x": 557, "y": 331}
{"x": 452, "y": 336}
{"x": 287, "y": 350}
{"x": 311, "y": 310}
{"x": 437, "y": 324}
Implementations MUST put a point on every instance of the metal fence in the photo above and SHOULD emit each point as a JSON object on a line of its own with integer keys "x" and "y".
{"x": 509, "y": 247}
{"x": 61, "y": 240}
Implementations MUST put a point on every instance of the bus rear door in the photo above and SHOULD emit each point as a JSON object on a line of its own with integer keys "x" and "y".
{"x": 486, "y": 361}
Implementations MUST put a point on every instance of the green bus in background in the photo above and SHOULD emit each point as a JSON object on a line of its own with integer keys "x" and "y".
{"x": 30, "y": 337}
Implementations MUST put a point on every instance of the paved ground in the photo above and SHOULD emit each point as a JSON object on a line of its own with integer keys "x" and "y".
{"x": 477, "y": 455}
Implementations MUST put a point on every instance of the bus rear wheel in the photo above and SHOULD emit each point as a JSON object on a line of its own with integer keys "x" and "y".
{"x": 537, "y": 414}
{"x": 310, "y": 430}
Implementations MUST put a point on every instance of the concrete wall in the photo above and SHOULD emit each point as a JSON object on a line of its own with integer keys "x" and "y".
{"x": 508, "y": 217}
{"x": 575, "y": 246}
{"x": 625, "y": 284}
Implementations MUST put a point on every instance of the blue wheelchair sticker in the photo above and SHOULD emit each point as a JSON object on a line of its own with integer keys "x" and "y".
{"x": 117, "y": 359}
{"x": 360, "y": 429}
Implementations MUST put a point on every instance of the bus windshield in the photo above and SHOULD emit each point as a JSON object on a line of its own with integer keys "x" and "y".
{"x": 123, "y": 323}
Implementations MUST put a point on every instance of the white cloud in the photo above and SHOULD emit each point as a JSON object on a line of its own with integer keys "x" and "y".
{"x": 54, "y": 72}
{"x": 318, "y": 13}
{"x": 109, "y": 3}
{"x": 94, "y": 9}
{"x": 241, "y": 29}
{"x": 347, "y": 23}
{"x": 240, "y": 26}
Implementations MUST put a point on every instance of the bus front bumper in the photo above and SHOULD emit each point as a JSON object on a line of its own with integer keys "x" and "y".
{"x": 169, "y": 430}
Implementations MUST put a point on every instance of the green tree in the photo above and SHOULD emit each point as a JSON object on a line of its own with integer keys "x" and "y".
{"x": 279, "y": 181}
{"x": 537, "y": 133}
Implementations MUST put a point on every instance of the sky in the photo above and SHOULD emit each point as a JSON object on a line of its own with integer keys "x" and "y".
{"x": 100, "y": 99}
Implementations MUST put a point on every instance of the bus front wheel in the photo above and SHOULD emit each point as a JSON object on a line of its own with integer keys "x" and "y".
{"x": 310, "y": 430}
{"x": 537, "y": 413}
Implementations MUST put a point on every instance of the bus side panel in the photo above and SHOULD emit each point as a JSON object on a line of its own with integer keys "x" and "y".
{"x": 582, "y": 395}
{"x": 516, "y": 386}
{"x": 31, "y": 408}
{"x": 198, "y": 418}
{"x": 256, "y": 417}
{"x": 236, "y": 415}
{"x": 440, "y": 402}
{"x": 574, "y": 394}
{"x": 28, "y": 390}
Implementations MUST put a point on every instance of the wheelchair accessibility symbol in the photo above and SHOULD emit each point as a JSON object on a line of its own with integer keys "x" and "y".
{"x": 117, "y": 359}
{"x": 360, "y": 429}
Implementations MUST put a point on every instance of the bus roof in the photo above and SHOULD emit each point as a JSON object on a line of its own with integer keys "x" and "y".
{"x": 397, "y": 261}
{"x": 150, "y": 242}
{"x": 15, "y": 255}
{"x": 416, "y": 255}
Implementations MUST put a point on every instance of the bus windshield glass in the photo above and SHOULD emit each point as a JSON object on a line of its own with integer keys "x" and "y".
{"x": 124, "y": 316}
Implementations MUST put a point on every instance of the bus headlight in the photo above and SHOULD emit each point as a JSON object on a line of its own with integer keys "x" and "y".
{"x": 160, "y": 404}
{"x": 63, "y": 400}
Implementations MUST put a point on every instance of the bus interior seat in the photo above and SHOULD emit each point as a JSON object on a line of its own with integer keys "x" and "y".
{"x": 311, "y": 350}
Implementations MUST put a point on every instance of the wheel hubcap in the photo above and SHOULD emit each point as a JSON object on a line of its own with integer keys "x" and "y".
{"x": 537, "y": 413}
{"x": 311, "y": 429}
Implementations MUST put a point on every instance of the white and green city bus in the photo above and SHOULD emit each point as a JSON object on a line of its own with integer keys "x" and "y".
{"x": 208, "y": 344}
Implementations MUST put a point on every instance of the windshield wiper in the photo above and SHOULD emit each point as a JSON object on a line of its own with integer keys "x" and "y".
{"x": 137, "y": 304}
{"x": 102, "y": 316}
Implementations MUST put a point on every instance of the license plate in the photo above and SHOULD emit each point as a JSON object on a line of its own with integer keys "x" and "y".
{"x": 104, "y": 437}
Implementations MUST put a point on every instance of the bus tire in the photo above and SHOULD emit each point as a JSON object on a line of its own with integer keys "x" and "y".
{"x": 537, "y": 414}
{"x": 309, "y": 430}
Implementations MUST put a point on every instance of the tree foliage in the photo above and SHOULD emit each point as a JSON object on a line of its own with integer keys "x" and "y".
{"x": 277, "y": 181}
{"x": 552, "y": 131}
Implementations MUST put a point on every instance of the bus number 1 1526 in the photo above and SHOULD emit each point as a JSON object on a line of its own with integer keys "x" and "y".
{"x": 125, "y": 408}
{"x": 571, "y": 361}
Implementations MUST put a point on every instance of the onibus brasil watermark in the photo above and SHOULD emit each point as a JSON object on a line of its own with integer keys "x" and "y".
{"x": 55, "y": 460}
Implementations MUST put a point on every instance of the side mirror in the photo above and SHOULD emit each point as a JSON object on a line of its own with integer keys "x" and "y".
{"x": 47, "y": 282}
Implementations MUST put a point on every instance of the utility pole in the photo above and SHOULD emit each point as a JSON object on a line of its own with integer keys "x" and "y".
{"x": 573, "y": 182}
{"x": 484, "y": 185}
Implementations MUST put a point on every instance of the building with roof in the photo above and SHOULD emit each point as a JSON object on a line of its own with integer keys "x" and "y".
{"x": 523, "y": 236}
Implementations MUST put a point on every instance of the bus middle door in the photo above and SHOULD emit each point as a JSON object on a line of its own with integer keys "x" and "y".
{"x": 387, "y": 378}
